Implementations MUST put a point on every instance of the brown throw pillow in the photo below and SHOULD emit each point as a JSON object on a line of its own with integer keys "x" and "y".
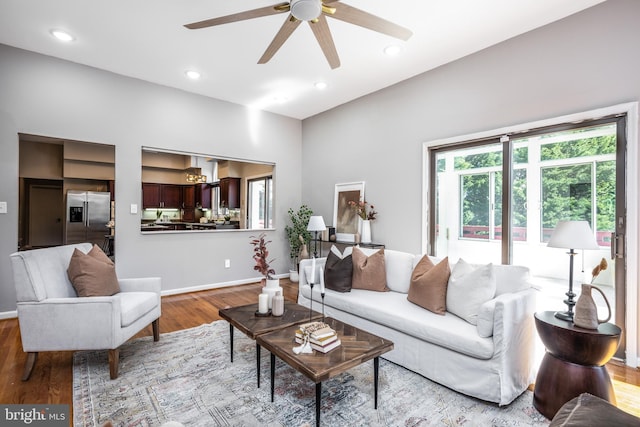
{"x": 369, "y": 272}
{"x": 91, "y": 275}
{"x": 338, "y": 272}
{"x": 428, "y": 287}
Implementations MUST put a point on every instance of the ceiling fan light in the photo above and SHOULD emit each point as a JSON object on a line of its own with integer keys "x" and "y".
{"x": 306, "y": 10}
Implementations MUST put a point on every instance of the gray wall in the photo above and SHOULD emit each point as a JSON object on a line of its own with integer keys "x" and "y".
{"x": 583, "y": 62}
{"x": 46, "y": 96}
{"x": 586, "y": 61}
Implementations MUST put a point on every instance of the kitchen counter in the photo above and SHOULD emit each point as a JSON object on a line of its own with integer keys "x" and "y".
{"x": 185, "y": 226}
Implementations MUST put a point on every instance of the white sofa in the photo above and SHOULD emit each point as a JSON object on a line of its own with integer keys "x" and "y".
{"x": 444, "y": 348}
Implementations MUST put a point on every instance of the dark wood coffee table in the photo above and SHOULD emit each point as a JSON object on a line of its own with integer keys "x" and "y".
{"x": 357, "y": 347}
{"x": 245, "y": 319}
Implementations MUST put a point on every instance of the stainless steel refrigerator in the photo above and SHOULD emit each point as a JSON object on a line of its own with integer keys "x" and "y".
{"x": 88, "y": 213}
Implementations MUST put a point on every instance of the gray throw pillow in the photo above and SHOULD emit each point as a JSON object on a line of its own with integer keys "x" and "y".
{"x": 338, "y": 272}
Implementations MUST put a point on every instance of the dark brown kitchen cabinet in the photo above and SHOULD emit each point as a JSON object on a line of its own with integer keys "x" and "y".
{"x": 188, "y": 203}
{"x": 161, "y": 196}
{"x": 230, "y": 192}
{"x": 203, "y": 196}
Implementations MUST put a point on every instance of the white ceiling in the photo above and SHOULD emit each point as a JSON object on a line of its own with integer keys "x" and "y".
{"x": 146, "y": 39}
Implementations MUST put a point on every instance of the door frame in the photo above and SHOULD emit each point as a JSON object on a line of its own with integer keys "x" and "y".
{"x": 632, "y": 200}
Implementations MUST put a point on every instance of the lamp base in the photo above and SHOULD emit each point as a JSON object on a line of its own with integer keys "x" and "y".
{"x": 564, "y": 315}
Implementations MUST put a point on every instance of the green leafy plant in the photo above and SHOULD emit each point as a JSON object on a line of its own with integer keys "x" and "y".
{"x": 297, "y": 233}
{"x": 261, "y": 255}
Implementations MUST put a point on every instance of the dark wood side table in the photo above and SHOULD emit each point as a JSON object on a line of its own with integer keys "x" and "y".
{"x": 574, "y": 362}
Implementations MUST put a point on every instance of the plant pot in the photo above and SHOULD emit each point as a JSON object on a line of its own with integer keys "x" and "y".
{"x": 294, "y": 276}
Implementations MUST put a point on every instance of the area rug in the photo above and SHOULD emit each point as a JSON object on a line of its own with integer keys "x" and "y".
{"x": 188, "y": 377}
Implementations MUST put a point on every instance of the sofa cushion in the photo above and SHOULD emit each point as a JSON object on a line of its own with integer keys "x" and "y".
{"x": 338, "y": 270}
{"x": 399, "y": 266}
{"x": 91, "y": 275}
{"x": 429, "y": 283}
{"x": 394, "y": 311}
{"x": 134, "y": 305}
{"x": 469, "y": 288}
{"x": 369, "y": 272}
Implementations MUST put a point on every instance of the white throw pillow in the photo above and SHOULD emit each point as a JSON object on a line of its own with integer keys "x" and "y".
{"x": 469, "y": 288}
{"x": 399, "y": 267}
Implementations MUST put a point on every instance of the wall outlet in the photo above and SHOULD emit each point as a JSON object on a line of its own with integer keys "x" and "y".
{"x": 227, "y": 263}
{"x": 3, "y": 207}
{"x": 134, "y": 208}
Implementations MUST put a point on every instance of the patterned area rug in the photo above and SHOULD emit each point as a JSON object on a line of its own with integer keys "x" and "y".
{"x": 187, "y": 377}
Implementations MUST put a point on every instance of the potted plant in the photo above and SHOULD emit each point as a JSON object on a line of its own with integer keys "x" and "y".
{"x": 298, "y": 236}
{"x": 261, "y": 255}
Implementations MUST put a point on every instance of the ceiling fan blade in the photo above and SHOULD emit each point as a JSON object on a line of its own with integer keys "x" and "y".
{"x": 323, "y": 35}
{"x": 242, "y": 16}
{"x": 364, "y": 19}
{"x": 283, "y": 34}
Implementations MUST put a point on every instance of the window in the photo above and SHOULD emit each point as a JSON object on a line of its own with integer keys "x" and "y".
{"x": 260, "y": 203}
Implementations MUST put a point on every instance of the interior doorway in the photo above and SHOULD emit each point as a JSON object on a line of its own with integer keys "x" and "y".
{"x": 45, "y": 215}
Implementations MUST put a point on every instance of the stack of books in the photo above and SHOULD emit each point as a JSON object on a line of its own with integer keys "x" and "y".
{"x": 320, "y": 335}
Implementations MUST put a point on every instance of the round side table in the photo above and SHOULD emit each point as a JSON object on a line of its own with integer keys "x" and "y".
{"x": 574, "y": 362}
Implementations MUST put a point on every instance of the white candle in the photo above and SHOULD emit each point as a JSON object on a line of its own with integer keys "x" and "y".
{"x": 321, "y": 282}
{"x": 263, "y": 303}
{"x": 313, "y": 271}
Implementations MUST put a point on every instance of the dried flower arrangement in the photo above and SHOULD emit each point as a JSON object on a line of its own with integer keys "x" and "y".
{"x": 361, "y": 209}
{"x": 260, "y": 255}
{"x": 598, "y": 268}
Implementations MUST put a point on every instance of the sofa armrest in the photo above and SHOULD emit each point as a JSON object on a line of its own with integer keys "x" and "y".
{"x": 142, "y": 284}
{"x": 514, "y": 339}
{"x": 302, "y": 281}
{"x": 45, "y": 325}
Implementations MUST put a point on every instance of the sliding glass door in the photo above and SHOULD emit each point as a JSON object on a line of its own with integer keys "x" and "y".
{"x": 499, "y": 199}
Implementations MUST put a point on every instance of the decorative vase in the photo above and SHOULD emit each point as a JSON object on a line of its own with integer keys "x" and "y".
{"x": 365, "y": 235}
{"x": 277, "y": 304}
{"x": 271, "y": 288}
{"x": 586, "y": 315}
{"x": 304, "y": 253}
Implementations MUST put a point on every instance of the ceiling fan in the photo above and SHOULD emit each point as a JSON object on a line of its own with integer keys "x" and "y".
{"x": 315, "y": 13}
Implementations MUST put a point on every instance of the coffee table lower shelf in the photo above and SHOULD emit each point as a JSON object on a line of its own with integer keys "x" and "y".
{"x": 357, "y": 347}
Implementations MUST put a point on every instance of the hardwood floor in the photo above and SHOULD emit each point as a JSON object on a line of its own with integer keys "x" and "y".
{"x": 51, "y": 380}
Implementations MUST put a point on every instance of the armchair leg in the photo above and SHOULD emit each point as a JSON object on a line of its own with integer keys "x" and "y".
{"x": 114, "y": 358}
{"x": 29, "y": 364}
{"x": 156, "y": 329}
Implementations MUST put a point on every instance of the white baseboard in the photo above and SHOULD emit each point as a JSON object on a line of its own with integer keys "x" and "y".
{"x": 8, "y": 314}
{"x": 210, "y": 286}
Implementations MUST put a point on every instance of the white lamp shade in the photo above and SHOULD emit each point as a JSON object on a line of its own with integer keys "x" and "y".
{"x": 316, "y": 223}
{"x": 573, "y": 235}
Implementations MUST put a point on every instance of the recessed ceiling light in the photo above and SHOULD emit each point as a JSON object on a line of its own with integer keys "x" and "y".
{"x": 280, "y": 99}
{"x": 392, "y": 50}
{"x": 320, "y": 85}
{"x": 62, "y": 35}
{"x": 192, "y": 74}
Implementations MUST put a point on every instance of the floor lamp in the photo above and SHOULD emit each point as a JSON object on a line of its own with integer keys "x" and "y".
{"x": 572, "y": 235}
{"x": 316, "y": 223}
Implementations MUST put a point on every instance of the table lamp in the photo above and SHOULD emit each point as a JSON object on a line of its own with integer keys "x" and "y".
{"x": 316, "y": 224}
{"x": 572, "y": 235}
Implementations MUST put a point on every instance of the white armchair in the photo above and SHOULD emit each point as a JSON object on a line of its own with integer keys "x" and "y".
{"x": 53, "y": 318}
